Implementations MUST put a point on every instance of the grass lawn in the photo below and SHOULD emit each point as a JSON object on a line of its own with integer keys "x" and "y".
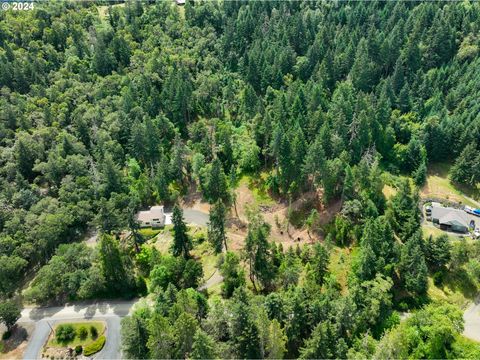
{"x": 438, "y": 185}
{"x": 149, "y": 233}
{"x": 258, "y": 188}
{"x": 389, "y": 191}
{"x": 457, "y": 289}
{"x": 100, "y": 326}
{"x": 429, "y": 229}
{"x": 207, "y": 257}
{"x": 340, "y": 262}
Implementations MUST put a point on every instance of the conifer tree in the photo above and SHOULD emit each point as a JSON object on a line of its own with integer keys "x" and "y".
{"x": 216, "y": 227}
{"x": 182, "y": 244}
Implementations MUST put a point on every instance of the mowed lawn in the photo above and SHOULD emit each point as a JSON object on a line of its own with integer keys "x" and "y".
{"x": 438, "y": 185}
{"x": 100, "y": 326}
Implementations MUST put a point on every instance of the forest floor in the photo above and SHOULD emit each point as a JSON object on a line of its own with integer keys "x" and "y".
{"x": 250, "y": 195}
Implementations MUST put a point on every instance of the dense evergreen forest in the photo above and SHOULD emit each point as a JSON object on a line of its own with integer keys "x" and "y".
{"x": 103, "y": 113}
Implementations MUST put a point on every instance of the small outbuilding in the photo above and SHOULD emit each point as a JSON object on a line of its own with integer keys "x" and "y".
{"x": 155, "y": 217}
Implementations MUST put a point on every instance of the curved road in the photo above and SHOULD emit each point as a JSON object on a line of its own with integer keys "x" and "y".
{"x": 45, "y": 318}
{"x": 472, "y": 320}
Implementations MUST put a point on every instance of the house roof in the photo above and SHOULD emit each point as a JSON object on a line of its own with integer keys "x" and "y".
{"x": 453, "y": 218}
{"x": 155, "y": 212}
{"x": 450, "y": 216}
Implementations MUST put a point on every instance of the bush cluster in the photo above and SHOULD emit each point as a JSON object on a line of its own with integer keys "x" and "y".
{"x": 65, "y": 333}
{"x": 94, "y": 347}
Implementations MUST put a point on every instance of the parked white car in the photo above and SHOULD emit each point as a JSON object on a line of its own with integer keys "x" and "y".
{"x": 476, "y": 234}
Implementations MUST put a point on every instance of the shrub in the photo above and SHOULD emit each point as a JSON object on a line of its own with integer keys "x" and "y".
{"x": 93, "y": 332}
{"x": 65, "y": 333}
{"x": 6, "y": 335}
{"x": 78, "y": 349}
{"x": 94, "y": 347}
{"x": 438, "y": 278}
{"x": 82, "y": 332}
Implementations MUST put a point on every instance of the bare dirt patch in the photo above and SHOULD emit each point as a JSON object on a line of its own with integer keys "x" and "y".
{"x": 14, "y": 347}
{"x": 194, "y": 200}
{"x": 275, "y": 214}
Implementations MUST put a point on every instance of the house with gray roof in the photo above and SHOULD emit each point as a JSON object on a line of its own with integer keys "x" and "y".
{"x": 451, "y": 219}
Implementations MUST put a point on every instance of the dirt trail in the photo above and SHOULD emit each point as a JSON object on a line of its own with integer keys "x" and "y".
{"x": 215, "y": 279}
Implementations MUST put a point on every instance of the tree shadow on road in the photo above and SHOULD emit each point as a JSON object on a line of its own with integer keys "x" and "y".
{"x": 39, "y": 313}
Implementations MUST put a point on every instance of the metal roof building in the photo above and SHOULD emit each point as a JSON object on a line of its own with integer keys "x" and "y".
{"x": 452, "y": 219}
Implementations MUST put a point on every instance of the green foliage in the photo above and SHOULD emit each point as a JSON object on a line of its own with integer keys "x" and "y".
{"x": 466, "y": 169}
{"x": 259, "y": 251}
{"x": 134, "y": 337}
{"x": 93, "y": 332}
{"x": 378, "y": 250}
{"x": 182, "y": 244}
{"x": 82, "y": 332}
{"x": 233, "y": 274}
{"x": 64, "y": 333}
{"x": 71, "y": 265}
{"x": 430, "y": 332}
{"x": 216, "y": 227}
{"x": 175, "y": 270}
{"x": 246, "y": 340}
{"x": 319, "y": 263}
{"x": 104, "y": 114}
{"x": 9, "y": 313}
{"x": 11, "y": 273}
{"x": 321, "y": 345}
{"x": 203, "y": 346}
{"x": 438, "y": 252}
{"x": 413, "y": 267}
{"x": 94, "y": 347}
{"x": 403, "y": 213}
{"x": 115, "y": 267}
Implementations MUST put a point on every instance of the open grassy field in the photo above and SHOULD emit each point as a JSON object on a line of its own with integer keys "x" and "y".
{"x": 98, "y": 325}
{"x": 438, "y": 185}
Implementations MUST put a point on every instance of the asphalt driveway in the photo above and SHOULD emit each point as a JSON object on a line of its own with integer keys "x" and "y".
{"x": 471, "y": 316}
{"x": 46, "y": 318}
{"x": 191, "y": 217}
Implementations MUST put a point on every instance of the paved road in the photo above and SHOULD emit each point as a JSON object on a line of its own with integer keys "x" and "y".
{"x": 472, "y": 320}
{"x": 44, "y": 318}
{"x": 191, "y": 216}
